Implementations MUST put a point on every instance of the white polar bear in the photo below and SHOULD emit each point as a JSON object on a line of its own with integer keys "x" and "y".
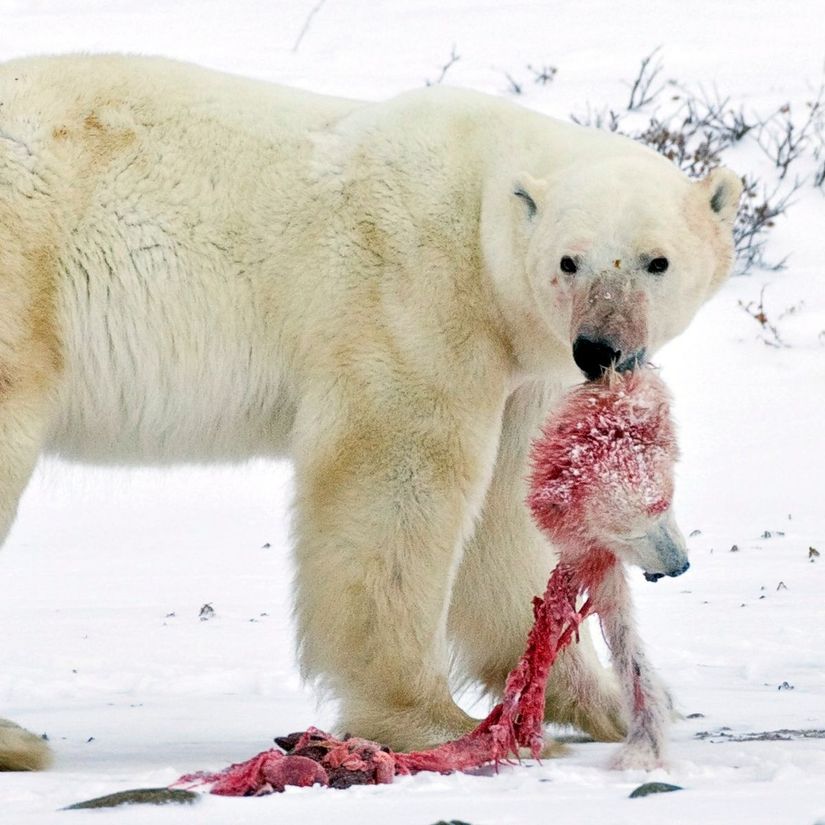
{"x": 200, "y": 267}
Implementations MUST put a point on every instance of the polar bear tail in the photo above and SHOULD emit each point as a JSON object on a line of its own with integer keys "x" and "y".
{"x": 21, "y": 750}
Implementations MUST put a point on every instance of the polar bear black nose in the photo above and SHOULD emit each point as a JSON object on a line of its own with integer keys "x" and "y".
{"x": 593, "y": 356}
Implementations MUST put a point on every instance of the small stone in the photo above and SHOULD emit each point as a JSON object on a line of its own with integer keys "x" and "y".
{"x": 139, "y": 796}
{"x": 813, "y": 553}
{"x": 206, "y": 612}
{"x": 695, "y": 716}
{"x": 654, "y": 787}
{"x": 734, "y": 548}
{"x": 694, "y": 533}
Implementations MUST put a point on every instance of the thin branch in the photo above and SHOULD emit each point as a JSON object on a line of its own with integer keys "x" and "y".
{"x": 758, "y": 313}
{"x": 454, "y": 58}
{"x": 544, "y": 75}
{"x": 315, "y": 9}
{"x": 641, "y": 92}
{"x": 515, "y": 86}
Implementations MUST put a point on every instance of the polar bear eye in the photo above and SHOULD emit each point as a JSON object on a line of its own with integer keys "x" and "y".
{"x": 658, "y": 265}
{"x": 568, "y": 265}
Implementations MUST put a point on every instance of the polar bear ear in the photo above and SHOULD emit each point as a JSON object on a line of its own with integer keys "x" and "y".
{"x": 723, "y": 189}
{"x": 530, "y": 192}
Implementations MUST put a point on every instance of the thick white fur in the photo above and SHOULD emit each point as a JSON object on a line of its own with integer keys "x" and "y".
{"x": 200, "y": 267}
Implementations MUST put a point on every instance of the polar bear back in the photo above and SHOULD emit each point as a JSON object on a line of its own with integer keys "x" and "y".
{"x": 220, "y": 242}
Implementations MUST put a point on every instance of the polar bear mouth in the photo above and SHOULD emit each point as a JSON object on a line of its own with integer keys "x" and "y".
{"x": 637, "y": 359}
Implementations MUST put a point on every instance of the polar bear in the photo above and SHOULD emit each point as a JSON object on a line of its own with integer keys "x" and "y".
{"x": 196, "y": 266}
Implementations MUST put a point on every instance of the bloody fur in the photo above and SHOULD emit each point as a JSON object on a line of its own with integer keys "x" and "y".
{"x": 611, "y": 441}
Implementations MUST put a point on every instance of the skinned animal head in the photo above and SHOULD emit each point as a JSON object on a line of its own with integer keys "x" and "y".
{"x": 603, "y": 474}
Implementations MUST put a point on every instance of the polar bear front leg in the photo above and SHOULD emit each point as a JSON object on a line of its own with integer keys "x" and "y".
{"x": 507, "y": 563}
{"x": 385, "y": 498}
{"x": 22, "y": 426}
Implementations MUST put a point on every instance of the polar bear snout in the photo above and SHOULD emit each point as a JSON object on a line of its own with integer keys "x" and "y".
{"x": 593, "y": 356}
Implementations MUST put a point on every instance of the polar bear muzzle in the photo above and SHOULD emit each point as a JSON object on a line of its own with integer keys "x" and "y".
{"x": 594, "y": 356}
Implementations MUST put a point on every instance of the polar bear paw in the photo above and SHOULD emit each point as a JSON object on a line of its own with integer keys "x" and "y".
{"x": 21, "y": 750}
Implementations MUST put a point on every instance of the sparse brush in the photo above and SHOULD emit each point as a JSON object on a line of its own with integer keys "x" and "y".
{"x": 644, "y": 88}
{"x": 602, "y": 118}
{"x": 514, "y": 86}
{"x": 819, "y": 151}
{"x": 757, "y": 311}
{"x": 716, "y": 114}
{"x": 451, "y": 61}
{"x": 758, "y": 211}
{"x": 543, "y": 75}
{"x": 695, "y": 129}
{"x": 783, "y": 140}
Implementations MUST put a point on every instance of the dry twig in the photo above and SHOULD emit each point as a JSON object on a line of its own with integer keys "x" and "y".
{"x": 315, "y": 9}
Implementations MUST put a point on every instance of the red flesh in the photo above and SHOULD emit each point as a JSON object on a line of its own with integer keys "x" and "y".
{"x": 513, "y": 724}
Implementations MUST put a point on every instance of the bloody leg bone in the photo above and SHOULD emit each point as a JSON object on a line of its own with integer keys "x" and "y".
{"x": 647, "y": 702}
{"x": 601, "y": 488}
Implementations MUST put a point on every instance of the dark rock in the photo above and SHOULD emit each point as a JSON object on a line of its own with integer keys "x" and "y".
{"x": 654, "y": 787}
{"x": 139, "y": 796}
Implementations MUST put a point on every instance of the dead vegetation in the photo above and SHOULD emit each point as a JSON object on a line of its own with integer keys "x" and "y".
{"x": 695, "y": 128}
{"x": 451, "y": 61}
{"x": 757, "y": 311}
{"x": 782, "y": 735}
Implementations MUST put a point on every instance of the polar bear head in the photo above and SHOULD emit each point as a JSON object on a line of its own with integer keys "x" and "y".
{"x": 603, "y": 262}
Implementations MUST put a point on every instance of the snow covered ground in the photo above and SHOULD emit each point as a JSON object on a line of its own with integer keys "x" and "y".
{"x": 105, "y": 573}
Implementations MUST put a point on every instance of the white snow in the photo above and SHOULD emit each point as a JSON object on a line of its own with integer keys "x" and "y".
{"x": 132, "y": 696}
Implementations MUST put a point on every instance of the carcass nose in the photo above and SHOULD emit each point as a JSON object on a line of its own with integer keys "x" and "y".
{"x": 679, "y": 570}
{"x": 594, "y": 356}
{"x": 654, "y": 577}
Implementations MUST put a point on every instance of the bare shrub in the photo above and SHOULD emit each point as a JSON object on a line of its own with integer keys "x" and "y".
{"x": 602, "y": 118}
{"x": 514, "y": 86}
{"x": 757, "y": 311}
{"x": 644, "y": 88}
{"x": 783, "y": 140}
{"x": 543, "y": 75}
{"x": 451, "y": 61}
{"x": 758, "y": 211}
{"x": 694, "y": 129}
